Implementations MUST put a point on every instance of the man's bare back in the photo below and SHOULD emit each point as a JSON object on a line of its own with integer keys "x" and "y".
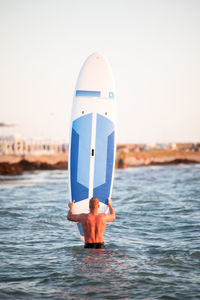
{"x": 93, "y": 224}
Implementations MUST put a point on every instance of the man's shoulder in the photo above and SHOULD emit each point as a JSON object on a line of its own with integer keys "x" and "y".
{"x": 102, "y": 215}
{"x": 83, "y": 216}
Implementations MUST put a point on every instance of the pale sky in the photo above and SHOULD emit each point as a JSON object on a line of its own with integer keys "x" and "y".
{"x": 153, "y": 47}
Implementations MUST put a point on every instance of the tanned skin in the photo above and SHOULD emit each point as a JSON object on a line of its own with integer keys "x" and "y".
{"x": 93, "y": 224}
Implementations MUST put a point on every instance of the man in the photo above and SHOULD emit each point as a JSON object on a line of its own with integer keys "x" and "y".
{"x": 93, "y": 224}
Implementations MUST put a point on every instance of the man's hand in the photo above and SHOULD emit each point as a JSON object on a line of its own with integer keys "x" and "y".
{"x": 71, "y": 205}
{"x": 71, "y": 216}
{"x": 109, "y": 202}
{"x": 111, "y": 216}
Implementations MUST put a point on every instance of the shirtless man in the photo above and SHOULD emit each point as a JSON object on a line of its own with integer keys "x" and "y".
{"x": 93, "y": 224}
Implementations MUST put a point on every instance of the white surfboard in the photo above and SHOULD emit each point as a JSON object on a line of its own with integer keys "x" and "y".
{"x": 92, "y": 136}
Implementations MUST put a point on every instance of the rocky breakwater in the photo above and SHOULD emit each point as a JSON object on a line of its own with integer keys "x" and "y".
{"x": 16, "y": 165}
{"x": 125, "y": 158}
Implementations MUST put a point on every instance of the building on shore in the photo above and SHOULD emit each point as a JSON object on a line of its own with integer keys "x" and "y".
{"x": 12, "y": 143}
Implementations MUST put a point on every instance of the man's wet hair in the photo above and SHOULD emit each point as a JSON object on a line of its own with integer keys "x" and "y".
{"x": 94, "y": 202}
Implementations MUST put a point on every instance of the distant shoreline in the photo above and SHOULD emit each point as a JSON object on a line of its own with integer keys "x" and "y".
{"x": 18, "y": 164}
{"x": 126, "y": 158}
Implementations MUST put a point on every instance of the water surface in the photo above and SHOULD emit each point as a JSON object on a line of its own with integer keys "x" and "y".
{"x": 152, "y": 248}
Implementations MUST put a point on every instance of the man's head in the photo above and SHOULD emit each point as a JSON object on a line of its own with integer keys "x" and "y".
{"x": 94, "y": 203}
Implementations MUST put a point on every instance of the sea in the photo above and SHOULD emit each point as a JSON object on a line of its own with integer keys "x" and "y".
{"x": 152, "y": 248}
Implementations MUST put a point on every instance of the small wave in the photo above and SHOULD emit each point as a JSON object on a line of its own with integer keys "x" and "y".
{"x": 195, "y": 254}
{"x": 7, "y": 213}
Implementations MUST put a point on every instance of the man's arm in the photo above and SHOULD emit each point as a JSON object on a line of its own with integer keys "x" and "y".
{"x": 111, "y": 216}
{"x": 73, "y": 217}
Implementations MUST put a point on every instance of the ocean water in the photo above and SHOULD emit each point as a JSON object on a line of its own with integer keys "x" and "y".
{"x": 152, "y": 248}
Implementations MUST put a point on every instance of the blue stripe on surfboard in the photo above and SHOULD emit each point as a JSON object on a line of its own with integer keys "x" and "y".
{"x": 82, "y": 93}
{"x": 104, "y": 127}
{"x": 104, "y": 158}
{"x": 83, "y": 126}
{"x": 78, "y": 191}
{"x": 80, "y": 157}
{"x": 102, "y": 192}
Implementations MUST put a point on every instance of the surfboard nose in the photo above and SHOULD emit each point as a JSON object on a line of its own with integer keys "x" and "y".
{"x": 95, "y": 78}
{"x": 97, "y": 55}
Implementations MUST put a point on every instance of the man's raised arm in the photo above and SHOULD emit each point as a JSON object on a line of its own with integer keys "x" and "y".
{"x": 73, "y": 217}
{"x": 111, "y": 216}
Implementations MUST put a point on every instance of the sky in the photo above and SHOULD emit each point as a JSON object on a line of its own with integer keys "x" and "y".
{"x": 153, "y": 47}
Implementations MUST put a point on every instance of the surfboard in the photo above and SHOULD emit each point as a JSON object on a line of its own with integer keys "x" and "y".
{"x": 92, "y": 140}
